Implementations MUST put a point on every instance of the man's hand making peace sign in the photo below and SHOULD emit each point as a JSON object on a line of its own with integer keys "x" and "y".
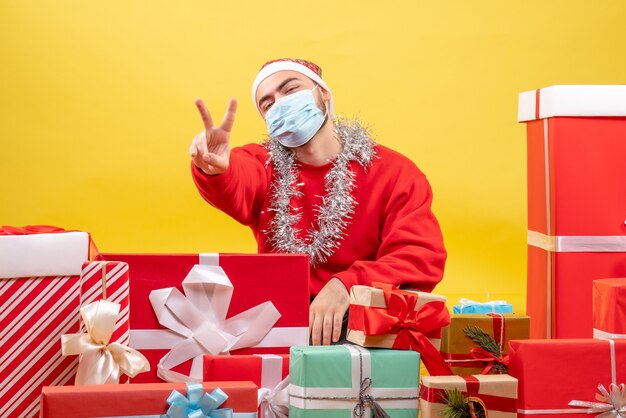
{"x": 210, "y": 149}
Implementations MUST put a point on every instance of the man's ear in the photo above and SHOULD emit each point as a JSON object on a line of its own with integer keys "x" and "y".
{"x": 325, "y": 94}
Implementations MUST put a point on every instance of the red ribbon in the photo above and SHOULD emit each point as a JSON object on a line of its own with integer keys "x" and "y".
{"x": 410, "y": 325}
{"x": 480, "y": 354}
{"x": 30, "y": 229}
{"x": 498, "y": 328}
{"x": 492, "y": 402}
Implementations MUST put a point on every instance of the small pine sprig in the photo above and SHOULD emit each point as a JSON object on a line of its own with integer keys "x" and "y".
{"x": 486, "y": 342}
{"x": 456, "y": 406}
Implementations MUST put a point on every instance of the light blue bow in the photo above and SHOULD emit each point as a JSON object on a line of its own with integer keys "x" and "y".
{"x": 197, "y": 403}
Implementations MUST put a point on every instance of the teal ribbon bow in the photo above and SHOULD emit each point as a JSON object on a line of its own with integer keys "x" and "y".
{"x": 197, "y": 403}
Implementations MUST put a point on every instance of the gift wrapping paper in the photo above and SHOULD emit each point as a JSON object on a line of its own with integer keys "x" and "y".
{"x": 609, "y": 308}
{"x": 497, "y": 392}
{"x": 576, "y": 202}
{"x": 264, "y": 370}
{"x": 34, "y": 313}
{"x": 148, "y": 399}
{"x": 281, "y": 279}
{"x": 41, "y": 250}
{"x": 552, "y": 373}
{"x": 36, "y": 310}
{"x": 107, "y": 280}
{"x": 471, "y": 307}
{"x": 334, "y": 380}
{"x": 456, "y": 347}
{"x": 268, "y": 371}
{"x": 381, "y": 316}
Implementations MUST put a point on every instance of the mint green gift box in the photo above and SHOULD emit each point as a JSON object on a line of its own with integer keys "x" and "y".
{"x": 325, "y": 381}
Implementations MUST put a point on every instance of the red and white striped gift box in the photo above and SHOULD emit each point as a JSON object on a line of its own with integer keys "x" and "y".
{"x": 39, "y": 301}
{"x": 34, "y": 313}
{"x": 107, "y": 280}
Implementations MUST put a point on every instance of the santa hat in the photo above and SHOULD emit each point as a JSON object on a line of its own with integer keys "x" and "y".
{"x": 306, "y": 68}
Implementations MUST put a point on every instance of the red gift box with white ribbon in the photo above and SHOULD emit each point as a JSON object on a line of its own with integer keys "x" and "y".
{"x": 576, "y": 201}
{"x": 563, "y": 377}
{"x": 268, "y": 371}
{"x": 186, "y": 305}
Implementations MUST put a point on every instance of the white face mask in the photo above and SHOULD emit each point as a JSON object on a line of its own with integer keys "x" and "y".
{"x": 293, "y": 120}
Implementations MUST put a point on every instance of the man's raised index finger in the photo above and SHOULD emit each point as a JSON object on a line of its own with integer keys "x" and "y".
{"x": 229, "y": 117}
{"x": 204, "y": 113}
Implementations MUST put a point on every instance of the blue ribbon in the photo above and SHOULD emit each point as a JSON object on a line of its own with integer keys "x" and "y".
{"x": 197, "y": 403}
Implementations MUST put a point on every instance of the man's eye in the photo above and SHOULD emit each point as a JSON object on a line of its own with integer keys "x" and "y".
{"x": 267, "y": 107}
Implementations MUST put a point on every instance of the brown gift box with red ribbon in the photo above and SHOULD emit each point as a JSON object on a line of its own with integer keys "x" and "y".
{"x": 386, "y": 317}
{"x": 465, "y": 357}
{"x": 496, "y": 394}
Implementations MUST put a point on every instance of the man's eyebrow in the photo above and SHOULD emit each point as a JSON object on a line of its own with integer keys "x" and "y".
{"x": 280, "y": 87}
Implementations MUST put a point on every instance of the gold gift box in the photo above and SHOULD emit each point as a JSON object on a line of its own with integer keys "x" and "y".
{"x": 456, "y": 346}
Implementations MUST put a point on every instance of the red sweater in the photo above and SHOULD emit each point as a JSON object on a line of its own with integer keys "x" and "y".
{"x": 393, "y": 237}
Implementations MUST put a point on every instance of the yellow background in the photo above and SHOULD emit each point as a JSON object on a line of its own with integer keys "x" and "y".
{"x": 96, "y": 109}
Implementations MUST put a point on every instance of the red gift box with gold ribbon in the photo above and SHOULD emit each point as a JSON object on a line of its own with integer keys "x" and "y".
{"x": 576, "y": 201}
{"x": 386, "y": 317}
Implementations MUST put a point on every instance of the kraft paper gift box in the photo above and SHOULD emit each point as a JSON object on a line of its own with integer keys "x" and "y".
{"x": 576, "y": 202}
{"x": 497, "y": 394}
{"x": 463, "y": 355}
{"x": 382, "y": 316}
{"x": 263, "y": 282}
{"x": 609, "y": 308}
{"x": 35, "y": 311}
{"x": 337, "y": 380}
{"x": 145, "y": 400}
{"x": 553, "y": 373}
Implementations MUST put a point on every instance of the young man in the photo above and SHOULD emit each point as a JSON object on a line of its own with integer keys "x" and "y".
{"x": 322, "y": 187}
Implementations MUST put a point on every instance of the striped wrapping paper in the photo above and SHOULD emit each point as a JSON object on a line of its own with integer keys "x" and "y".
{"x": 107, "y": 280}
{"x": 34, "y": 313}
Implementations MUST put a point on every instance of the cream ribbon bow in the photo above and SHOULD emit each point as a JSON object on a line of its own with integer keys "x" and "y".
{"x": 274, "y": 403}
{"x": 612, "y": 402}
{"x": 100, "y": 362}
{"x": 199, "y": 316}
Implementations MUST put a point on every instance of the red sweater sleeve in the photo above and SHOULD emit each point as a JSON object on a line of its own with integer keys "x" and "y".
{"x": 240, "y": 190}
{"x": 412, "y": 253}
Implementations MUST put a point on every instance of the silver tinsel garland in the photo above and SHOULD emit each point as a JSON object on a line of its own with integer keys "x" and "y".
{"x": 335, "y": 213}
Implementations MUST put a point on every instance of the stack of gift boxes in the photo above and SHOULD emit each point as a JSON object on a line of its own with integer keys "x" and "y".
{"x": 226, "y": 335}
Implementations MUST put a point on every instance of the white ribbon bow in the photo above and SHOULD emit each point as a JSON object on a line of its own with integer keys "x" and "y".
{"x": 612, "y": 404}
{"x": 465, "y": 301}
{"x": 274, "y": 403}
{"x": 100, "y": 362}
{"x": 200, "y": 317}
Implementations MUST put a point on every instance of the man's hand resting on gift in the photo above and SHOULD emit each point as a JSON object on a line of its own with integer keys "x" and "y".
{"x": 327, "y": 311}
{"x": 210, "y": 149}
